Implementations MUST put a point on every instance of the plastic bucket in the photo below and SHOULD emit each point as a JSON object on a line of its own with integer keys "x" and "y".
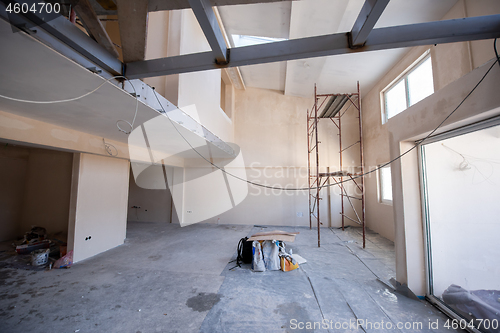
{"x": 40, "y": 257}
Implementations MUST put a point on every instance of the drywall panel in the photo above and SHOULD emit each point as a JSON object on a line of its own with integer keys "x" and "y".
{"x": 99, "y": 204}
{"x": 13, "y": 168}
{"x": 47, "y": 190}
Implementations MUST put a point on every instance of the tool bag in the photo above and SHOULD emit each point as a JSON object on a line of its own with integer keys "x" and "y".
{"x": 244, "y": 252}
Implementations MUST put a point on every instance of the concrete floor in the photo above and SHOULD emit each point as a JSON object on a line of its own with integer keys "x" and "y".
{"x": 171, "y": 279}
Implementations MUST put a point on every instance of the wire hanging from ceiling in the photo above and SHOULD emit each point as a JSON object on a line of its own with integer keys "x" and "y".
{"x": 131, "y": 124}
{"x": 357, "y": 176}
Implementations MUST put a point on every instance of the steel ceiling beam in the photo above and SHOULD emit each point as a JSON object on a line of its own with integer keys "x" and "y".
{"x": 159, "y": 5}
{"x": 93, "y": 25}
{"x": 367, "y": 18}
{"x": 208, "y": 22}
{"x": 440, "y": 32}
{"x": 59, "y": 33}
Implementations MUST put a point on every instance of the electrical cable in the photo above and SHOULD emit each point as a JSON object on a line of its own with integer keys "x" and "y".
{"x": 131, "y": 124}
{"x": 496, "y": 52}
{"x": 109, "y": 148}
{"x": 347, "y": 180}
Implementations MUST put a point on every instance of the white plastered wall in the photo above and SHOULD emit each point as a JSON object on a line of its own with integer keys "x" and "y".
{"x": 153, "y": 203}
{"x": 415, "y": 123}
{"x": 98, "y": 204}
{"x": 402, "y": 222}
{"x": 450, "y": 62}
{"x": 271, "y": 130}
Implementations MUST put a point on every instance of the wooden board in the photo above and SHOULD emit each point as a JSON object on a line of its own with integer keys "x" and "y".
{"x": 274, "y": 235}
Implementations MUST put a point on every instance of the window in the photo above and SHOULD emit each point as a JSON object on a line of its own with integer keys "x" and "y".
{"x": 245, "y": 40}
{"x": 415, "y": 84}
{"x": 385, "y": 185}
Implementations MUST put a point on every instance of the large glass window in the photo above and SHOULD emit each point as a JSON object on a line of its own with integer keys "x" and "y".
{"x": 461, "y": 179}
{"x": 415, "y": 84}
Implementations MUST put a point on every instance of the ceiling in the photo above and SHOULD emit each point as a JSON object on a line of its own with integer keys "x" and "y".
{"x": 305, "y": 18}
{"x": 33, "y": 71}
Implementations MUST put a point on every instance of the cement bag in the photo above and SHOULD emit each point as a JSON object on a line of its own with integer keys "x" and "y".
{"x": 270, "y": 250}
{"x": 258, "y": 259}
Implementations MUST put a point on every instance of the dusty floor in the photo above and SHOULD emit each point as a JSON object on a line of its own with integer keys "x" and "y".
{"x": 171, "y": 279}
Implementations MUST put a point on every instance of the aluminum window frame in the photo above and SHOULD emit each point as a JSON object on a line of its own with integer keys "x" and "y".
{"x": 380, "y": 185}
{"x": 476, "y": 126}
{"x": 403, "y": 77}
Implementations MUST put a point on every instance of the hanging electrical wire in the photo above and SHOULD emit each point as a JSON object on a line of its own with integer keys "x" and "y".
{"x": 131, "y": 124}
{"x": 356, "y": 176}
{"x": 110, "y": 149}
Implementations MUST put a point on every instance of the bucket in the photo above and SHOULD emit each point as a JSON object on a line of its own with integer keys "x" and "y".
{"x": 40, "y": 257}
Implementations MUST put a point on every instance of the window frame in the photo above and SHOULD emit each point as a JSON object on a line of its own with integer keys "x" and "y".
{"x": 380, "y": 185}
{"x": 403, "y": 77}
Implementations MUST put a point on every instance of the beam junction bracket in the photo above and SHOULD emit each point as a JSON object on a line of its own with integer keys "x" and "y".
{"x": 224, "y": 63}
{"x": 351, "y": 45}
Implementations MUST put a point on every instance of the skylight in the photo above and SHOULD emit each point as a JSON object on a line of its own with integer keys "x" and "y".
{"x": 244, "y": 40}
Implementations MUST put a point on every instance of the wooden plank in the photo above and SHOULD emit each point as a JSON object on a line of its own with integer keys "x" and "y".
{"x": 275, "y": 232}
{"x": 86, "y": 13}
{"x": 284, "y": 238}
{"x": 133, "y": 23}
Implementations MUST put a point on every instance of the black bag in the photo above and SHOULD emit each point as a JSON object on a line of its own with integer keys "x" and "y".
{"x": 244, "y": 251}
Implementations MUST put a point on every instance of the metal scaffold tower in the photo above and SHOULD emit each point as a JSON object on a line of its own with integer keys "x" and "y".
{"x": 334, "y": 107}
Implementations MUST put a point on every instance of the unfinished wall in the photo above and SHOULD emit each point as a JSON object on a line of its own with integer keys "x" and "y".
{"x": 450, "y": 62}
{"x": 35, "y": 187}
{"x": 47, "y": 189}
{"x": 413, "y": 124}
{"x": 35, "y": 133}
{"x": 199, "y": 93}
{"x": 98, "y": 208}
{"x": 13, "y": 167}
{"x": 155, "y": 202}
{"x": 270, "y": 129}
{"x": 157, "y": 45}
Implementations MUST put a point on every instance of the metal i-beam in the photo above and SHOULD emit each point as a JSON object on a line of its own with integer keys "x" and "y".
{"x": 208, "y": 22}
{"x": 59, "y": 33}
{"x": 89, "y": 18}
{"x": 367, "y": 18}
{"x": 439, "y": 32}
{"x": 159, "y": 5}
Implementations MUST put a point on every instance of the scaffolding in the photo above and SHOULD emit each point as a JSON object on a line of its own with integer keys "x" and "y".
{"x": 334, "y": 107}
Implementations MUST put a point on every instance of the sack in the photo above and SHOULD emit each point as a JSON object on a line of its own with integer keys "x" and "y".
{"x": 244, "y": 252}
{"x": 65, "y": 262}
{"x": 271, "y": 259}
{"x": 258, "y": 259}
